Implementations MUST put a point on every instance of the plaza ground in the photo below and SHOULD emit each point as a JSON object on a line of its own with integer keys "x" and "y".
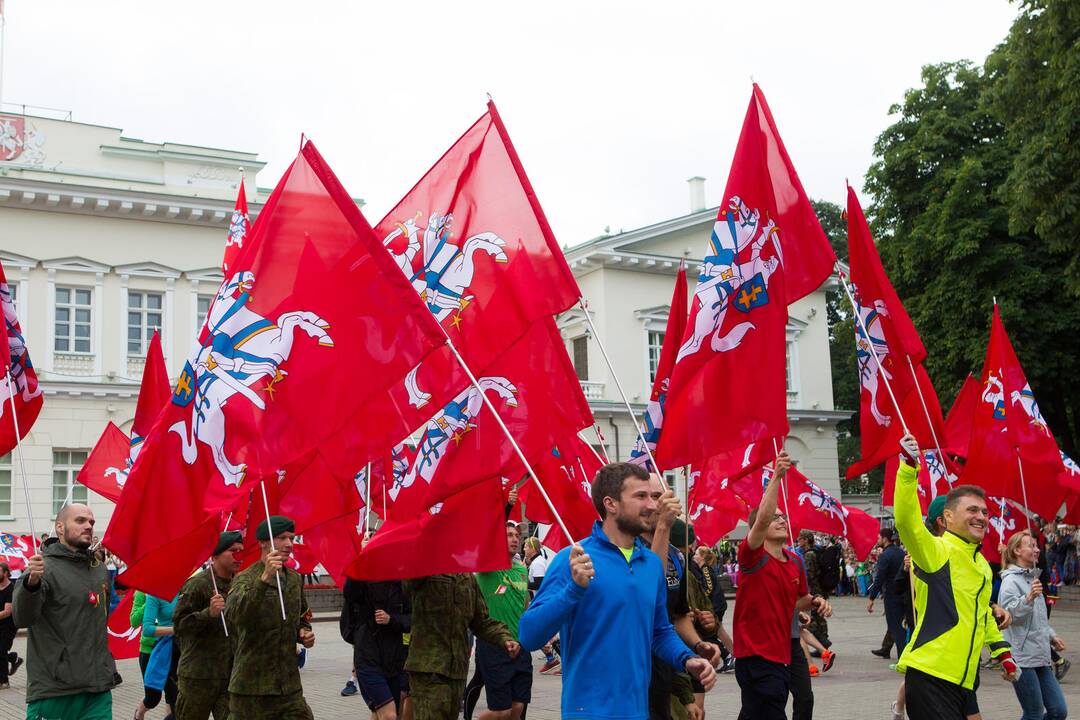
{"x": 859, "y": 686}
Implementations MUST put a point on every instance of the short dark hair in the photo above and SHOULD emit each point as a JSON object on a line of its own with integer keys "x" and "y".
{"x": 953, "y": 498}
{"x": 609, "y": 482}
{"x": 5, "y": 568}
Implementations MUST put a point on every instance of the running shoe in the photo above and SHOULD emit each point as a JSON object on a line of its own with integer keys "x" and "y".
{"x": 882, "y": 653}
{"x": 1061, "y": 667}
{"x": 827, "y": 659}
{"x": 813, "y": 670}
{"x": 550, "y": 665}
{"x": 896, "y": 714}
{"x": 349, "y": 689}
{"x": 19, "y": 661}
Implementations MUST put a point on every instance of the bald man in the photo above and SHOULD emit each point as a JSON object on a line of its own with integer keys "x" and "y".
{"x": 63, "y": 600}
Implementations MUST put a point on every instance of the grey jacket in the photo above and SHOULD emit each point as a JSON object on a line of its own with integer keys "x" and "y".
{"x": 1030, "y": 631}
{"x": 67, "y": 616}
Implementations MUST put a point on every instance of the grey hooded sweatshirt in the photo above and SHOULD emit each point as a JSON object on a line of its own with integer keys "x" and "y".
{"x": 1030, "y": 631}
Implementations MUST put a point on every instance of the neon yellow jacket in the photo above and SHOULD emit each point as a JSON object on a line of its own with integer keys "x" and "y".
{"x": 952, "y": 595}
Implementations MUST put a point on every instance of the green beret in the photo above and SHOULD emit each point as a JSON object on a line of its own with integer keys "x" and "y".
{"x": 281, "y": 524}
{"x": 227, "y": 540}
{"x": 682, "y": 534}
{"x": 936, "y": 509}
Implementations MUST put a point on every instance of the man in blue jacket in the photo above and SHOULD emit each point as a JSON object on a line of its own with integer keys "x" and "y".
{"x": 606, "y": 598}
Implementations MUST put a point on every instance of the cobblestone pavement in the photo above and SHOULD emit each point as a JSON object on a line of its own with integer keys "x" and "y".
{"x": 859, "y": 686}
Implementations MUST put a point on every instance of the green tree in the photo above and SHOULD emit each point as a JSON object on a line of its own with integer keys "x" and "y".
{"x": 1035, "y": 93}
{"x": 942, "y": 222}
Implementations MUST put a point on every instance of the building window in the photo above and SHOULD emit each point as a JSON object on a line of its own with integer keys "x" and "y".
{"x": 144, "y": 317}
{"x": 581, "y": 357}
{"x": 787, "y": 366}
{"x": 73, "y": 312}
{"x": 656, "y": 345}
{"x": 202, "y": 309}
{"x": 5, "y": 486}
{"x": 66, "y": 466}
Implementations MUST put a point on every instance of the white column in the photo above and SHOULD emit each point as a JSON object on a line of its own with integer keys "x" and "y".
{"x": 168, "y": 332}
{"x": 123, "y": 369}
{"x": 99, "y": 325}
{"x": 50, "y": 321}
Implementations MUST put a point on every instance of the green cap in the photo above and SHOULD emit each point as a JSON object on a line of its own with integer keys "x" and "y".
{"x": 682, "y": 534}
{"x": 227, "y": 540}
{"x": 281, "y": 524}
{"x": 936, "y": 509}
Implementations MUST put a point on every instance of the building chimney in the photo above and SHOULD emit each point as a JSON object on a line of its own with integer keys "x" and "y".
{"x": 697, "y": 193}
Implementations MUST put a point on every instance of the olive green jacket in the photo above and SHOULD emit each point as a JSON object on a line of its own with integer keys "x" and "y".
{"x": 264, "y": 658}
{"x": 444, "y": 609}
{"x": 206, "y": 654}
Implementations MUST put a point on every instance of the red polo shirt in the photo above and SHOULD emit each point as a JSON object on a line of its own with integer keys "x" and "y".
{"x": 765, "y": 603}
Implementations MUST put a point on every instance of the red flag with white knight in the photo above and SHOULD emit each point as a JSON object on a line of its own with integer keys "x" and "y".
{"x": 673, "y": 334}
{"x": 884, "y": 329}
{"x": 124, "y": 638}
{"x": 1005, "y": 519}
{"x": 19, "y": 378}
{"x": 16, "y": 549}
{"x": 714, "y": 509}
{"x": 239, "y": 224}
{"x": 567, "y": 475}
{"x": 472, "y": 240}
{"x": 106, "y": 469}
{"x": 1008, "y": 430}
{"x": 810, "y": 507}
{"x": 936, "y": 477}
{"x": 313, "y": 305}
{"x": 767, "y": 250}
{"x": 958, "y": 422}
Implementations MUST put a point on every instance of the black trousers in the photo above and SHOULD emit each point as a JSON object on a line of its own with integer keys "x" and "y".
{"x": 6, "y": 639}
{"x": 930, "y": 698}
{"x": 802, "y": 695}
{"x": 764, "y": 688}
{"x": 894, "y": 618}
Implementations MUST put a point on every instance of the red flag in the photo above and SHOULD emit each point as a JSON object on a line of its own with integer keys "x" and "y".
{"x": 810, "y": 507}
{"x": 885, "y": 330}
{"x": 714, "y": 508}
{"x": 1008, "y": 427}
{"x": 106, "y": 469}
{"x": 123, "y": 637}
{"x": 567, "y": 475}
{"x": 336, "y": 544}
{"x": 286, "y": 334}
{"x": 303, "y": 559}
{"x": 935, "y": 478}
{"x": 673, "y": 334}
{"x": 733, "y": 467}
{"x": 15, "y": 549}
{"x": 17, "y": 367}
{"x": 1070, "y": 477}
{"x": 767, "y": 250}
{"x": 1004, "y": 521}
{"x": 958, "y": 422}
{"x": 464, "y": 533}
{"x": 238, "y": 230}
{"x": 311, "y": 494}
{"x": 154, "y": 392}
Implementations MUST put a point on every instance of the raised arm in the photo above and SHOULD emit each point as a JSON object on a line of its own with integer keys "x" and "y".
{"x": 925, "y": 549}
{"x": 767, "y": 507}
{"x": 556, "y": 599}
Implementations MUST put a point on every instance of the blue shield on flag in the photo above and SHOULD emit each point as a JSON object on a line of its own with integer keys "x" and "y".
{"x": 184, "y": 392}
{"x": 751, "y": 294}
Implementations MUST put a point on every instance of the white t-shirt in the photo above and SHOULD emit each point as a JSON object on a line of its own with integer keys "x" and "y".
{"x": 538, "y": 567}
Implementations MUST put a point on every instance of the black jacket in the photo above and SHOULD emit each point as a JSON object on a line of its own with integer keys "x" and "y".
{"x": 890, "y": 562}
{"x": 377, "y": 646}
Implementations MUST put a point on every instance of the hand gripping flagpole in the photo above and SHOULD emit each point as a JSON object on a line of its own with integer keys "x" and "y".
{"x": 622, "y": 392}
{"x": 513, "y": 443}
{"x": 22, "y": 461}
{"x": 930, "y": 424}
{"x": 783, "y": 491}
{"x": 873, "y": 350}
{"x": 273, "y": 548}
{"x": 213, "y": 579}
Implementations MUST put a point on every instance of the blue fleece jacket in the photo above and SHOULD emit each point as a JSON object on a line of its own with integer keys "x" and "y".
{"x": 609, "y": 631}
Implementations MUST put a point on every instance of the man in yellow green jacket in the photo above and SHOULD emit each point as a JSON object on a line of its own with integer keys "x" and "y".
{"x": 952, "y": 597}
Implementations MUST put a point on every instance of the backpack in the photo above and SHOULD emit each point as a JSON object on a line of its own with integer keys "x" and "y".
{"x": 829, "y": 567}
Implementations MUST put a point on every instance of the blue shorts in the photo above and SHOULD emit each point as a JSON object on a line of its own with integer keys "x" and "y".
{"x": 506, "y": 680}
{"x": 378, "y": 689}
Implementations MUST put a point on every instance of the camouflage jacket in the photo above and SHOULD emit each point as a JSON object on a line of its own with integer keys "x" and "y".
{"x": 813, "y": 572}
{"x": 264, "y": 657}
{"x": 444, "y": 609}
{"x": 206, "y": 654}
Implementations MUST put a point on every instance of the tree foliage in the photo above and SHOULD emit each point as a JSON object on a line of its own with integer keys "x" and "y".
{"x": 942, "y": 218}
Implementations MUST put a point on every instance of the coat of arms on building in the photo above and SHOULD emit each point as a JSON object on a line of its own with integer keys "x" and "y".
{"x": 19, "y": 141}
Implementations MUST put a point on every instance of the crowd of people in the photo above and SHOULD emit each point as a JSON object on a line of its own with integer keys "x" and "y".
{"x": 632, "y": 617}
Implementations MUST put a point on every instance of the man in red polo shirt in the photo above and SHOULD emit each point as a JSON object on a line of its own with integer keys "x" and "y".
{"x": 772, "y": 587}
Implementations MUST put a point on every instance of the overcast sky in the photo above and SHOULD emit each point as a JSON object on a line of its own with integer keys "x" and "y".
{"x": 612, "y": 105}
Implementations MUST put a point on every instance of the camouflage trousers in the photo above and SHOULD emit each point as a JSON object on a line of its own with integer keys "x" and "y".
{"x": 269, "y": 707}
{"x": 435, "y": 697}
{"x": 199, "y": 698}
{"x": 819, "y": 628}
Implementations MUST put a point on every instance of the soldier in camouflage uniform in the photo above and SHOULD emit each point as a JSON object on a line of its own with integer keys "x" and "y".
{"x": 444, "y": 609}
{"x": 818, "y": 626}
{"x": 206, "y": 660}
{"x": 265, "y": 681}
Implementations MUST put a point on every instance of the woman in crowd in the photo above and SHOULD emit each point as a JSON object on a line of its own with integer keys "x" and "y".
{"x": 157, "y": 622}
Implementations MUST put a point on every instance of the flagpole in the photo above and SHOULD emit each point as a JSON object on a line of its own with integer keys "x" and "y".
{"x": 603, "y": 443}
{"x": 213, "y": 578}
{"x": 367, "y": 500}
{"x": 1023, "y": 488}
{"x": 783, "y": 491}
{"x": 270, "y": 531}
{"x": 873, "y": 350}
{"x": 22, "y": 460}
{"x": 383, "y": 518}
{"x": 622, "y": 392}
{"x": 513, "y": 443}
{"x": 930, "y": 424}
